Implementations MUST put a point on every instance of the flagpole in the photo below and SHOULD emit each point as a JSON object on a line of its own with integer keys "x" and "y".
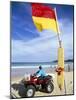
{"x": 60, "y": 68}
{"x": 58, "y": 31}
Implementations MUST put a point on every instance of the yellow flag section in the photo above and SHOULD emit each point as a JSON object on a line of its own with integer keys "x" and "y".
{"x": 60, "y": 69}
{"x": 45, "y": 23}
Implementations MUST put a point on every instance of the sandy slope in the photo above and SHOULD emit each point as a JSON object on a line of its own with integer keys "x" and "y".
{"x": 68, "y": 84}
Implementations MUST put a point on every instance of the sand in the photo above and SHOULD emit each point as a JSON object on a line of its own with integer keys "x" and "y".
{"x": 68, "y": 86}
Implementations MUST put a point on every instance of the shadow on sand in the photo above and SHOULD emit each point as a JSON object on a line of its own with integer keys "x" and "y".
{"x": 20, "y": 88}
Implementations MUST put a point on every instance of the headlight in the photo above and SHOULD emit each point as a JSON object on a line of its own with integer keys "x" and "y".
{"x": 27, "y": 77}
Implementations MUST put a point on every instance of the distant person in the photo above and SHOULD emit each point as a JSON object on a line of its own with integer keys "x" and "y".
{"x": 40, "y": 72}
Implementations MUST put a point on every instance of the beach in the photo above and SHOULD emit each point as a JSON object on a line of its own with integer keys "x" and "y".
{"x": 17, "y": 75}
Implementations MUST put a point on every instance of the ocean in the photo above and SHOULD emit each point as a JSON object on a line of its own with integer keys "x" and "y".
{"x": 33, "y": 64}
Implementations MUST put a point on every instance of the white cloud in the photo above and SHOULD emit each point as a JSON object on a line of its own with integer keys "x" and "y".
{"x": 44, "y": 48}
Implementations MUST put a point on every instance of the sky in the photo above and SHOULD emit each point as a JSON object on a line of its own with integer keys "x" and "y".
{"x": 30, "y": 45}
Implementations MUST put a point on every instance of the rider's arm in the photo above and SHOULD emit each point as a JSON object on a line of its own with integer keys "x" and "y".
{"x": 39, "y": 73}
{"x": 35, "y": 74}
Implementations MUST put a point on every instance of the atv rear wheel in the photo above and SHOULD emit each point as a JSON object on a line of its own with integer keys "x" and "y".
{"x": 49, "y": 87}
{"x": 30, "y": 91}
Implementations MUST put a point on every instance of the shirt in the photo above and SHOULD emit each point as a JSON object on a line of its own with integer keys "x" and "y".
{"x": 41, "y": 73}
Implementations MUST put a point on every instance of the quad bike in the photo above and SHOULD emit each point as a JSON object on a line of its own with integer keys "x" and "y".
{"x": 33, "y": 83}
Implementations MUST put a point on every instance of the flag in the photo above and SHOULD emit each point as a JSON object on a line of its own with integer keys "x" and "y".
{"x": 43, "y": 17}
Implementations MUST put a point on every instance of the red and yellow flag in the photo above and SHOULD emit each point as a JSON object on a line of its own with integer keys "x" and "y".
{"x": 44, "y": 17}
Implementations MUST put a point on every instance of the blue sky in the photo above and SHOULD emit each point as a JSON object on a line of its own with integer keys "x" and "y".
{"x": 29, "y": 45}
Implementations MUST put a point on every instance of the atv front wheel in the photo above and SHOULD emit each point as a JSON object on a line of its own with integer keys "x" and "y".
{"x": 30, "y": 91}
{"x": 49, "y": 87}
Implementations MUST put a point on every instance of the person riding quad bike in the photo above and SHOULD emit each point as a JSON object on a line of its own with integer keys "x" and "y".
{"x": 40, "y": 72}
{"x": 37, "y": 82}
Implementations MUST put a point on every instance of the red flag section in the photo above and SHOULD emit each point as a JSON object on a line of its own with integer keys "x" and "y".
{"x": 40, "y": 10}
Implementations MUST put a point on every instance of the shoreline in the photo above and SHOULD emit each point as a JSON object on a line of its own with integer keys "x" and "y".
{"x": 14, "y": 67}
{"x": 21, "y": 70}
